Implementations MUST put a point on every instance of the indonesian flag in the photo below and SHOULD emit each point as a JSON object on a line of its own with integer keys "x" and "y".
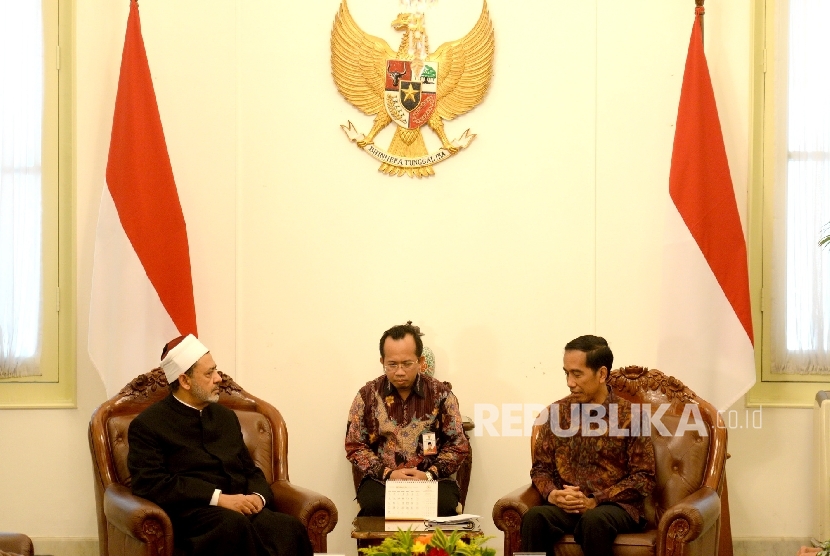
{"x": 706, "y": 338}
{"x": 142, "y": 292}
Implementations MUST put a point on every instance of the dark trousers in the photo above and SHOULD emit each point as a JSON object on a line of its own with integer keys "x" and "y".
{"x": 222, "y": 532}
{"x": 372, "y": 498}
{"x": 594, "y": 531}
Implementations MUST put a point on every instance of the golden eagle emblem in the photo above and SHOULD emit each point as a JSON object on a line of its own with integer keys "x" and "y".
{"x": 411, "y": 87}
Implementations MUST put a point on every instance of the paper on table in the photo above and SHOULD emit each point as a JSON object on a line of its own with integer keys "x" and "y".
{"x": 467, "y": 522}
{"x": 460, "y": 518}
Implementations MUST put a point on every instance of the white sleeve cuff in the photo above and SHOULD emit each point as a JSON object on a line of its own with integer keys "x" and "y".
{"x": 214, "y": 500}
{"x": 261, "y": 498}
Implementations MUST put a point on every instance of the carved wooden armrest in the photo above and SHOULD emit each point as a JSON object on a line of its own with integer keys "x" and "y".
{"x": 136, "y": 517}
{"x": 311, "y": 508}
{"x": 508, "y": 510}
{"x": 688, "y": 520}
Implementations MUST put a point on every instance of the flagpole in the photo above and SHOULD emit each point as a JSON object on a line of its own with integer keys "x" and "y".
{"x": 699, "y": 11}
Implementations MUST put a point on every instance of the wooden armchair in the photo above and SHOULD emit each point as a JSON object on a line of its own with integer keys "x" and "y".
{"x": 129, "y": 525}
{"x": 15, "y": 544}
{"x": 685, "y": 510}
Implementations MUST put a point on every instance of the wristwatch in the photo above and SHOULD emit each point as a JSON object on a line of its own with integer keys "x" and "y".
{"x": 430, "y": 476}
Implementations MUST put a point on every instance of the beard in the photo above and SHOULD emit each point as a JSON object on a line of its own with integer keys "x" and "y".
{"x": 204, "y": 394}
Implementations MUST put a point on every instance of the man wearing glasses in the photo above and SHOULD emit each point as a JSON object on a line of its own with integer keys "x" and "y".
{"x": 405, "y": 425}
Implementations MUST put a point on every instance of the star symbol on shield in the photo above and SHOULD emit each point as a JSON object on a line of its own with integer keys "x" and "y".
{"x": 410, "y": 93}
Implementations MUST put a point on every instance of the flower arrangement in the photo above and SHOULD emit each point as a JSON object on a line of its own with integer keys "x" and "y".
{"x": 824, "y": 548}
{"x": 407, "y": 543}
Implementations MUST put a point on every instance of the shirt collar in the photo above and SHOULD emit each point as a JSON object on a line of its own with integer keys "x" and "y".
{"x": 612, "y": 397}
{"x": 184, "y": 403}
{"x": 417, "y": 387}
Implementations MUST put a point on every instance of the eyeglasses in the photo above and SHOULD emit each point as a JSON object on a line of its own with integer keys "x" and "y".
{"x": 405, "y": 365}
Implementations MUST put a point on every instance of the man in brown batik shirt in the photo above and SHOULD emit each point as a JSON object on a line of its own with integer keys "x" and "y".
{"x": 405, "y": 425}
{"x": 593, "y": 480}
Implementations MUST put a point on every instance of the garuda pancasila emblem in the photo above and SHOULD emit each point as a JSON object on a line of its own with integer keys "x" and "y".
{"x": 411, "y": 87}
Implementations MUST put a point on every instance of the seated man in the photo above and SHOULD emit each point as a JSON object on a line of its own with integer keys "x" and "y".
{"x": 594, "y": 483}
{"x": 187, "y": 456}
{"x": 405, "y": 426}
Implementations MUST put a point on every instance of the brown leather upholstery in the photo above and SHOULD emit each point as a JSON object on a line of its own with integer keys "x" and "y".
{"x": 16, "y": 543}
{"x": 684, "y": 510}
{"x": 129, "y": 525}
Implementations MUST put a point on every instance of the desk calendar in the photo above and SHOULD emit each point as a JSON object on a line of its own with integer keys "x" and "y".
{"x": 411, "y": 499}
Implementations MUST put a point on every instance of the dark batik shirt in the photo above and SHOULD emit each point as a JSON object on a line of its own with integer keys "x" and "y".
{"x": 612, "y": 468}
{"x": 385, "y": 432}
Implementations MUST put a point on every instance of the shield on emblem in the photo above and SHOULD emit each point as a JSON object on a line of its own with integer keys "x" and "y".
{"x": 410, "y": 94}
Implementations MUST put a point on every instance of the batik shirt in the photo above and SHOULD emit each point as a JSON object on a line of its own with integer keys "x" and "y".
{"x": 384, "y": 432}
{"x": 609, "y": 467}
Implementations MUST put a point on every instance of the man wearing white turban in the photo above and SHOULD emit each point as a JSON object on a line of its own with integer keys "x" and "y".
{"x": 187, "y": 455}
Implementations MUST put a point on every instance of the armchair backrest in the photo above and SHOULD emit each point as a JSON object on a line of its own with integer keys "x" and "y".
{"x": 684, "y": 462}
{"x": 263, "y": 431}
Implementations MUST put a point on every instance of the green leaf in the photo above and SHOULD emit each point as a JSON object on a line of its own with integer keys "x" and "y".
{"x": 402, "y": 542}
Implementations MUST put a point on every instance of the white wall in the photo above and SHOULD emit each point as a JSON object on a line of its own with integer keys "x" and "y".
{"x": 545, "y": 228}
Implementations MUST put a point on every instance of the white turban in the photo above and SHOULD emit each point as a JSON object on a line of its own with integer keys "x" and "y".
{"x": 182, "y": 357}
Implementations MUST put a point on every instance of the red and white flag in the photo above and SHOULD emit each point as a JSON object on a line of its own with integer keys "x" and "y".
{"x": 706, "y": 338}
{"x": 142, "y": 291}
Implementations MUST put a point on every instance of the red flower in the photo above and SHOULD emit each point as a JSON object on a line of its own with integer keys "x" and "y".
{"x": 437, "y": 552}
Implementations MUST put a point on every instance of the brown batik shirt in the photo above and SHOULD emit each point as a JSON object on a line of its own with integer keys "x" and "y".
{"x": 609, "y": 467}
{"x": 384, "y": 431}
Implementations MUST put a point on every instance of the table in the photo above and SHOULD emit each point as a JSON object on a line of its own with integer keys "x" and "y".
{"x": 370, "y": 531}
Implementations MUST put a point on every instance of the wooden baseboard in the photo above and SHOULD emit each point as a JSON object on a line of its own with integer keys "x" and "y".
{"x": 66, "y": 546}
{"x": 768, "y": 546}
